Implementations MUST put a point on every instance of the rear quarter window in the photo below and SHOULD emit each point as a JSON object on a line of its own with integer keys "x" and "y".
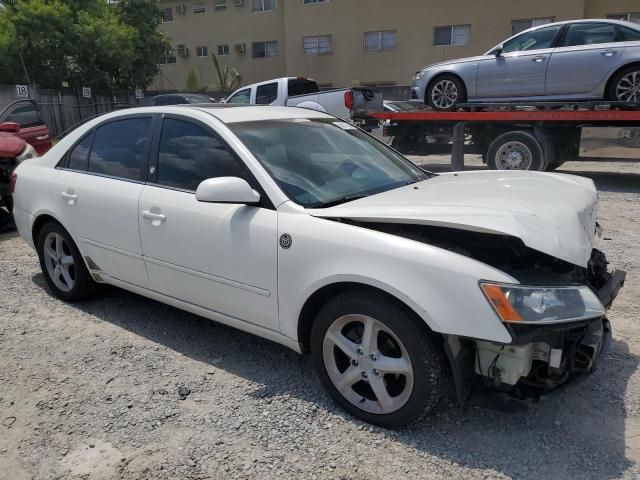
{"x": 300, "y": 86}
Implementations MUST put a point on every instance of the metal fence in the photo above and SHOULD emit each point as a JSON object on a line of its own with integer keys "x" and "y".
{"x": 63, "y": 109}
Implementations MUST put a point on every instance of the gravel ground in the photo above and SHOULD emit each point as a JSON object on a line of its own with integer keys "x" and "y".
{"x": 122, "y": 387}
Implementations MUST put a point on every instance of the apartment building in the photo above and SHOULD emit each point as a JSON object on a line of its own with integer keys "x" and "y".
{"x": 349, "y": 42}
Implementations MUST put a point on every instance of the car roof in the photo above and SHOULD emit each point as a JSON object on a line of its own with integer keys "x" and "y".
{"x": 228, "y": 112}
{"x": 624, "y": 23}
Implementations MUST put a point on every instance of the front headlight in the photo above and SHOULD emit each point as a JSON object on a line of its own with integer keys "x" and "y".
{"x": 419, "y": 75}
{"x": 539, "y": 305}
{"x": 27, "y": 154}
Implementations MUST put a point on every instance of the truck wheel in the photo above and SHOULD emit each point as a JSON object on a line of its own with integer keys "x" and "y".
{"x": 625, "y": 85}
{"x": 62, "y": 264}
{"x": 445, "y": 92}
{"x": 515, "y": 151}
{"x": 376, "y": 361}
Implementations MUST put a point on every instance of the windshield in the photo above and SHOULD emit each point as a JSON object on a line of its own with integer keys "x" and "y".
{"x": 320, "y": 163}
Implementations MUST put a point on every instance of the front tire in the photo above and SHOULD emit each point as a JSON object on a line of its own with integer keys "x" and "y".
{"x": 62, "y": 264}
{"x": 7, "y": 200}
{"x": 625, "y": 85}
{"x": 376, "y": 360}
{"x": 445, "y": 92}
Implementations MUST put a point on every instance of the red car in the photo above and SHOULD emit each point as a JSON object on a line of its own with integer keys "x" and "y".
{"x": 23, "y": 135}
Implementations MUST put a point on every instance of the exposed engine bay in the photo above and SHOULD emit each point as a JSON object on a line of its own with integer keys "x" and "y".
{"x": 540, "y": 357}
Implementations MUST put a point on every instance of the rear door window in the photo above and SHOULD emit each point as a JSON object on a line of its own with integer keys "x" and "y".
{"x": 119, "y": 148}
{"x": 189, "y": 154}
{"x": 589, "y": 34}
{"x": 267, "y": 94}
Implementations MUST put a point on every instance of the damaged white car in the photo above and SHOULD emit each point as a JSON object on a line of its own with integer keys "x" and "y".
{"x": 300, "y": 228}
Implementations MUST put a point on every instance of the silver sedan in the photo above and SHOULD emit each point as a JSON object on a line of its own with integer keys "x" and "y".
{"x": 575, "y": 60}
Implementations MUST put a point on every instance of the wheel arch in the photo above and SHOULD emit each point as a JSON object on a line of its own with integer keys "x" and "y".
{"x": 323, "y": 294}
{"x": 607, "y": 87}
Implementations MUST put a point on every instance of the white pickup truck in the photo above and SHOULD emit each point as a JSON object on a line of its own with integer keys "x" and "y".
{"x": 346, "y": 103}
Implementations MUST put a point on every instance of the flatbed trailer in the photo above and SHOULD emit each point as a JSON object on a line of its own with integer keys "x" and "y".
{"x": 532, "y": 136}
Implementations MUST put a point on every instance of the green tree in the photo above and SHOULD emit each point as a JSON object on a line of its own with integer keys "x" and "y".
{"x": 150, "y": 45}
{"x": 192, "y": 85}
{"x": 84, "y": 42}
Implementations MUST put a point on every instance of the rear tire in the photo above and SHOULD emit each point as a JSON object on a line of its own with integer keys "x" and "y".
{"x": 354, "y": 373}
{"x": 445, "y": 92}
{"x": 517, "y": 150}
{"x": 62, "y": 264}
{"x": 623, "y": 85}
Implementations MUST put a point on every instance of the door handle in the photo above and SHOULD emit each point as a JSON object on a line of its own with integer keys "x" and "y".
{"x": 608, "y": 53}
{"x": 69, "y": 197}
{"x": 42, "y": 137}
{"x": 538, "y": 59}
{"x": 158, "y": 217}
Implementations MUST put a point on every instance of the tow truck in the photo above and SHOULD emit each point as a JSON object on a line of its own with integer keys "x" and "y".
{"x": 523, "y": 136}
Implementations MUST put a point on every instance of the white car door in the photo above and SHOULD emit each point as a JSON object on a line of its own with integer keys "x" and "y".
{"x": 521, "y": 69}
{"x": 98, "y": 189}
{"x": 586, "y": 55}
{"x": 222, "y": 257}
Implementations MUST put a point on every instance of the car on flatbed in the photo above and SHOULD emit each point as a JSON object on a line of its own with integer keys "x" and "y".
{"x": 296, "y": 226}
{"x": 573, "y": 60}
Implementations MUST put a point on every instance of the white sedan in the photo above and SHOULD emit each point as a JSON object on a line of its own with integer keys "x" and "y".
{"x": 298, "y": 227}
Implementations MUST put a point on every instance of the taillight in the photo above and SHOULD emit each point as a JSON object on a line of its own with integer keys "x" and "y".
{"x": 12, "y": 182}
{"x": 348, "y": 99}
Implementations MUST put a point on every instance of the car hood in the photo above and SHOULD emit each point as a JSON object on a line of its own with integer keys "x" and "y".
{"x": 10, "y": 145}
{"x": 552, "y": 213}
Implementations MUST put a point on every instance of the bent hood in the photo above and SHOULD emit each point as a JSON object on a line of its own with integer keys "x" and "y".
{"x": 10, "y": 145}
{"x": 552, "y": 213}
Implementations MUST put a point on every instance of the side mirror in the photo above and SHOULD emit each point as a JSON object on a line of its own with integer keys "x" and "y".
{"x": 498, "y": 50}
{"x": 226, "y": 190}
{"x": 10, "y": 127}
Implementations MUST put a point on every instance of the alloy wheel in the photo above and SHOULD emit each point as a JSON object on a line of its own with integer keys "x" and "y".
{"x": 444, "y": 94}
{"x": 367, "y": 364}
{"x": 59, "y": 262}
{"x": 628, "y": 87}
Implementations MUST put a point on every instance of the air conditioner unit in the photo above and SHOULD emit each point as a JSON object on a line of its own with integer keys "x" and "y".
{"x": 238, "y": 3}
{"x": 181, "y": 9}
{"x": 241, "y": 48}
{"x": 183, "y": 51}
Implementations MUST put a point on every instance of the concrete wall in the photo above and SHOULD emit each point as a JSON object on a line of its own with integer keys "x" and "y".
{"x": 346, "y": 21}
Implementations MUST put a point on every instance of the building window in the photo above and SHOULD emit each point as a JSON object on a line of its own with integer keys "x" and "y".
{"x": 170, "y": 58}
{"x": 265, "y": 49}
{"x": 201, "y": 52}
{"x": 456, "y": 35}
{"x": 223, "y": 50}
{"x": 378, "y": 41}
{"x": 198, "y": 7}
{"x": 629, "y": 17}
{"x": 318, "y": 45}
{"x": 167, "y": 15}
{"x": 221, "y": 4}
{"x": 263, "y": 5}
{"x": 518, "y": 26}
{"x": 313, "y": 2}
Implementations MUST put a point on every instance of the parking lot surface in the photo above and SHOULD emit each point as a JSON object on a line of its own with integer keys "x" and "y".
{"x": 121, "y": 387}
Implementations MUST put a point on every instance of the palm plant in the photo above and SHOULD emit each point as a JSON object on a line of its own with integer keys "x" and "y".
{"x": 228, "y": 77}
